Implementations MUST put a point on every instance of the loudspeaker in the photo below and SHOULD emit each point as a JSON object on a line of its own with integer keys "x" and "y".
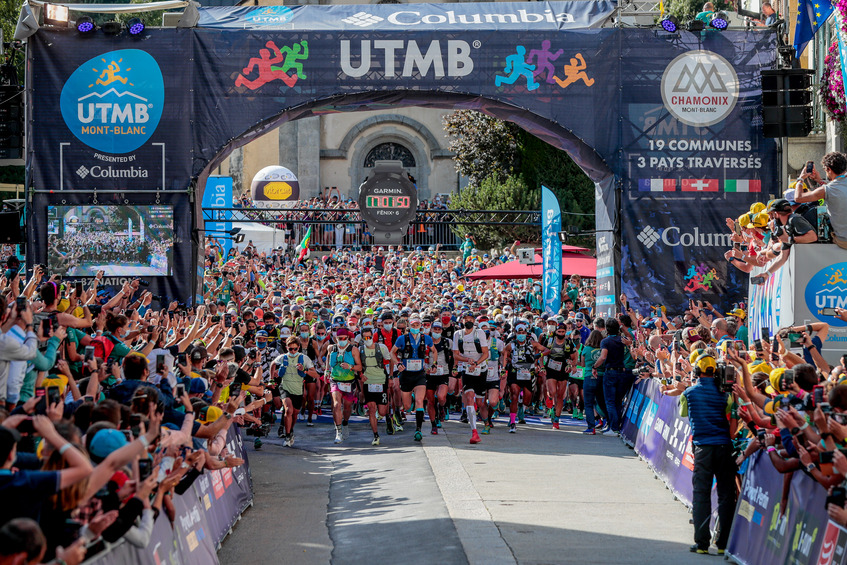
{"x": 10, "y": 228}
{"x": 787, "y": 102}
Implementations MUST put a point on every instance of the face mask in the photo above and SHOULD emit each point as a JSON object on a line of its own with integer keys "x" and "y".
{"x": 415, "y": 331}
{"x": 551, "y": 329}
{"x": 369, "y": 342}
{"x": 426, "y": 331}
{"x": 261, "y": 344}
{"x": 468, "y": 325}
{"x": 382, "y": 293}
{"x": 321, "y": 337}
{"x": 342, "y": 343}
{"x": 387, "y": 327}
{"x": 436, "y": 335}
{"x": 487, "y": 333}
{"x": 124, "y": 333}
{"x": 521, "y": 337}
{"x": 304, "y": 335}
{"x": 293, "y": 354}
{"x": 311, "y": 295}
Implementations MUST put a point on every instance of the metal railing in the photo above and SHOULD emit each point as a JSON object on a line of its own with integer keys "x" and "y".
{"x": 333, "y": 227}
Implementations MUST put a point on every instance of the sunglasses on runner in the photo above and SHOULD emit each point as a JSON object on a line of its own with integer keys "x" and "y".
{"x": 293, "y": 349}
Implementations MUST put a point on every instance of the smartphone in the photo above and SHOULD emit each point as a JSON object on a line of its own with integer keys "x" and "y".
{"x": 160, "y": 363}
{"x": 227, "y": 320}
{"x": 810, "y": 166}
{"x": 181, "y": 358}
{"x": 128, "y": 434}
{"x": 165, "y": 467}
{"x": 129, "y": 312}
{"x": 45, "y": 327}
{"x": 838, "y": 496}
{"x": 54, "y": 396}
{"x": 216, "y": 319}
{"x": 145, "y": 467}
{"x": 737, "y": 229}
{"x": 757, "y": 345}
{"x": 89, "y": 353}
{"x": 234, "y": 389}
{"x": 817, "y": 394}
{"x": 761, "y": 434}
{"x": 828, "y": 312}
{"x": 135, "y": 424}
{"x": 78, "y": 289}
{"x": 54, "y": 321}
{"x": 826, "y": 462}
{"x": 180, "y": 390}
{"x": 766, "y": 335}
{"x": 278, "y": 293}
{"x": 20, "y": 303}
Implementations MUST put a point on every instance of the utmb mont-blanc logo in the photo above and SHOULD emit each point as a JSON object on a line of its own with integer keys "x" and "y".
{"x": 113, "y": 102}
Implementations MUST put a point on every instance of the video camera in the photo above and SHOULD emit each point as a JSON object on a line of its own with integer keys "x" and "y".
{"x": 726, "y": 376}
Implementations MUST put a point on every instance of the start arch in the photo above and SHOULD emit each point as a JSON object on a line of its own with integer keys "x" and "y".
{"x": 138, "y": 122}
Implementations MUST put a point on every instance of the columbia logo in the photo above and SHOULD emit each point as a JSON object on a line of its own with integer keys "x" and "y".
{"x": 362, "y": 19}
{"x": 82, "y": 171}
{"x": 648, "y": 236}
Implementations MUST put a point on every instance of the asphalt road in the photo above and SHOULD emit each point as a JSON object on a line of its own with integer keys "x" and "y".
{"x": 536, "y": 497}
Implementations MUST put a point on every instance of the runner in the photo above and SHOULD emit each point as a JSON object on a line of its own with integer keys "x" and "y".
{"x": 417, "y": 354}
{"x": 470, "y": 350}
{"x": 343, "y": 362}
{"x": 438, "y": 378}
{"x": 559, "y": 366}
{"x": 492, "y": 379}
{"x": 520, "y": 358}
{"x": 374, "y": 379}
{"x": 292, "y": 367}
{"x": 387, "y": 335}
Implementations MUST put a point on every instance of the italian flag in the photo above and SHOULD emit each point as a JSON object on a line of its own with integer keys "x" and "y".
{"x": 738, "y": 185}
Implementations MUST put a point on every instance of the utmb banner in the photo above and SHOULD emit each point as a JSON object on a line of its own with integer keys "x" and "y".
{"x": 666, "y": 125}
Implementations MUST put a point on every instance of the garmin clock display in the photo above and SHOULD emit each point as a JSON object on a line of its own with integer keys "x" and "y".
{"x": 388, "y": 201}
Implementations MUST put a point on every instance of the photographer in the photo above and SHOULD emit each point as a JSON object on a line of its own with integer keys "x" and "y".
{"x": 706, "y": 405}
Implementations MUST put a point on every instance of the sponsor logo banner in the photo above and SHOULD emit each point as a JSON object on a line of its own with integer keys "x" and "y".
{"x": 700, "y": 88}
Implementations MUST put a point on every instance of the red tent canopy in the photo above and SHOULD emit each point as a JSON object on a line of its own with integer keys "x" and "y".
{"x": 572, "y": 264}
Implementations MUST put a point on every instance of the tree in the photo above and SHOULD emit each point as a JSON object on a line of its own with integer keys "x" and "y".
{"x": 484, "y": 146}
{"x": 506, "y": 167}
{"x": 685, "y": 10}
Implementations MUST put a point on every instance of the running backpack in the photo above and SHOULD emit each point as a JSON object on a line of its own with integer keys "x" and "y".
{"x": 380, "y": 360}
{"x": 407, "y": 347}
{"x": 476, "y": 343}
{"x": 103, "y": 346}
{"x": 285, "y": 365}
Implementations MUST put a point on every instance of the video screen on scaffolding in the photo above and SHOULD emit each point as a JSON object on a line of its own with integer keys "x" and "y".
{"x": 122, "y": 241}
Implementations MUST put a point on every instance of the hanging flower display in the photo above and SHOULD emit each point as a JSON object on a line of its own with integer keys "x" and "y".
{"x": 832, "y": 84}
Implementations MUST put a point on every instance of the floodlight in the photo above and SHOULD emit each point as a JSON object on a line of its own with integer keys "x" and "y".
{"x": 112, "y": 28}
{"x": 85, "y": 25}
{"x": 720, "y": 21}
{"x": 135, "y": 26}
{"x": 696, "y": 25}
{"x": 56, "y": 15}
{"x": 670, "y": 24}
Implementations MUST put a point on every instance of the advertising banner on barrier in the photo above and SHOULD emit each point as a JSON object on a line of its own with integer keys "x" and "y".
{"x": 653, "y": 426}
{"x": 551, "y": 251}
{"x": 203, "y": 516}
{"x": 820, "y": 286}
{"x": 771, "y": 305}
{"x": 765, "y": 531}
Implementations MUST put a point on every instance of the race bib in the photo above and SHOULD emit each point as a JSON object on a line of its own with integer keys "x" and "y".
{"x": 492, "y": 376}
{"x": 524, "y": 375}
{"x": 462, "y": 367}
{"x": 554, "y": 365}
{"x": 345, "y": 387}
{"x": 375, "y": 388}
{"x": 476, "y": 371}
{"x": 440, "y": 370}
{"x": 414, "y": 364}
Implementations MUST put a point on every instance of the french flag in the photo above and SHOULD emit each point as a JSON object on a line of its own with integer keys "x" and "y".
{"x": 656, "y": 185}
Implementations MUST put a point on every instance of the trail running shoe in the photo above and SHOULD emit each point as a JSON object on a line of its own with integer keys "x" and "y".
{"x": 438, "y": 423}
{"x": 464, "y": 418}
{"x": 434, "y": 431}
{"x": 418, "y": 435}
{"x": 338, "y": 437}
{"x": 280, "y": 432}
{"x": 486, "y": 429}
{"x": 555, "y": 425}
{"x": 697, "y": 549}
{"x": 589, "y": 432}
{"x": 513, "y": 428}
{"x": 375, "y": 441}
{"x": 257, "y": 443}
{"x": 475, "y": 437}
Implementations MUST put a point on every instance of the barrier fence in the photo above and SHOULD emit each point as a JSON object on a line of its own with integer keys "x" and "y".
{"x": 773, "y": 524}
{"x": 204, "y": 515}
{"x": 337, "y": 228}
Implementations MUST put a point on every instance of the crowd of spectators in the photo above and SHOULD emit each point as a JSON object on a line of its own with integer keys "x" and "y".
{"x": 813, "y": 210}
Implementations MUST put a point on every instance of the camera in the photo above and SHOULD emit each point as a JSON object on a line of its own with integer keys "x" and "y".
{"x": 143, "y": 283}
{"x": 95, "y": 309}
{"x": 725, "y": 374}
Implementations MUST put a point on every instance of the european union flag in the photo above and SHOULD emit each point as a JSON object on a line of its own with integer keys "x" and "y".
{"x": 811, "y": 15}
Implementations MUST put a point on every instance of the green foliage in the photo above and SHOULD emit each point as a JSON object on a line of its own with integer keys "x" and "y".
{"x": 484, "y": 146}
{"x": 506, "y": 167}
{"x": 493, "y": 194}
{"x": 685, "y": 10}
{"x": 13, "y": 175}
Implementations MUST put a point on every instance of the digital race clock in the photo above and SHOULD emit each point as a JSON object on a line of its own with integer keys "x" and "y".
{"x": 388, "y": 202}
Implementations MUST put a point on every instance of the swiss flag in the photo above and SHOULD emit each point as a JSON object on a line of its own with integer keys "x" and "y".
{"x": 699, "y": 185}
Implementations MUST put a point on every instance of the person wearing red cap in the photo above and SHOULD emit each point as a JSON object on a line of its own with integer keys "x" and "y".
{"x": 342, "y": 364}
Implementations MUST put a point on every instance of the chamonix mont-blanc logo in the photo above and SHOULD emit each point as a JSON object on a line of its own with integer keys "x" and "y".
{"x": 699, "y": 88}
{"x": 113, "y": 102}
